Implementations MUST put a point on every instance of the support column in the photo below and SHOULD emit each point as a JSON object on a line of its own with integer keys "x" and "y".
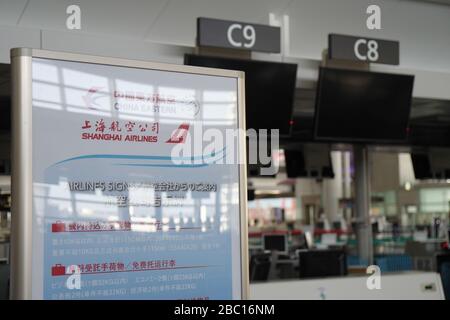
{"x": 347, "y": 184}
{"x": 298, "y": 200}
{"x": 332, "y": 188}
{"x": 362, "y": 204}
{"x": 347, "y": 192}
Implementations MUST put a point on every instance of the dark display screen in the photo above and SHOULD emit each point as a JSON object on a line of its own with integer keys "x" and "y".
{"x": 269, "y": 89}
{"x": 362, "y": 106}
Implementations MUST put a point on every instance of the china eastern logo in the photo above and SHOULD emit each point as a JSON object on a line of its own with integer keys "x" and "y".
{"x": 134, "y": 101}
{"x": 91, "y": 97}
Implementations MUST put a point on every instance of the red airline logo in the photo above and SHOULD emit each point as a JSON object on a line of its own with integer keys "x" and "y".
{"x": 179, "y": 134}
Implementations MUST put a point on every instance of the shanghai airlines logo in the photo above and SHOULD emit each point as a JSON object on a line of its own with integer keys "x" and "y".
{"x": 179, "y": 134}
{"x": 91, "y": 97}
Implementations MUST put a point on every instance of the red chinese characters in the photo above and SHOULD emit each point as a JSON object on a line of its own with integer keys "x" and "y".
{"x": 116, "y": 126}
{"x": 111, "y": 267}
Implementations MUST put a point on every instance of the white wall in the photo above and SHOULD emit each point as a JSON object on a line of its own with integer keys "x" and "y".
{"x": 423, "y": 29}
{"x": 163, "y": 30}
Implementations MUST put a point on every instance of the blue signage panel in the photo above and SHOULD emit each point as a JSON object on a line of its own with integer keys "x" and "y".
{"x": 130, "y": 200}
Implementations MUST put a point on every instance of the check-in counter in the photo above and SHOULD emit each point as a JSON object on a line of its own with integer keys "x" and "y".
{"x": 401, "y": 286}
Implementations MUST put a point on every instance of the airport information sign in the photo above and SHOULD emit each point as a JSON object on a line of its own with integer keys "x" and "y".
{"x": 363, "y": 49}
{"x": 124, "y": 203}
{"x": 238, "y": 35}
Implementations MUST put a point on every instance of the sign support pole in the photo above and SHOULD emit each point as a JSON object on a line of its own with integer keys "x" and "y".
{"x": 21, "y": 178}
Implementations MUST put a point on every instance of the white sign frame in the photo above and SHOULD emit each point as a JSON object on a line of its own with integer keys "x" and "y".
{"x": 22, "y": 177}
